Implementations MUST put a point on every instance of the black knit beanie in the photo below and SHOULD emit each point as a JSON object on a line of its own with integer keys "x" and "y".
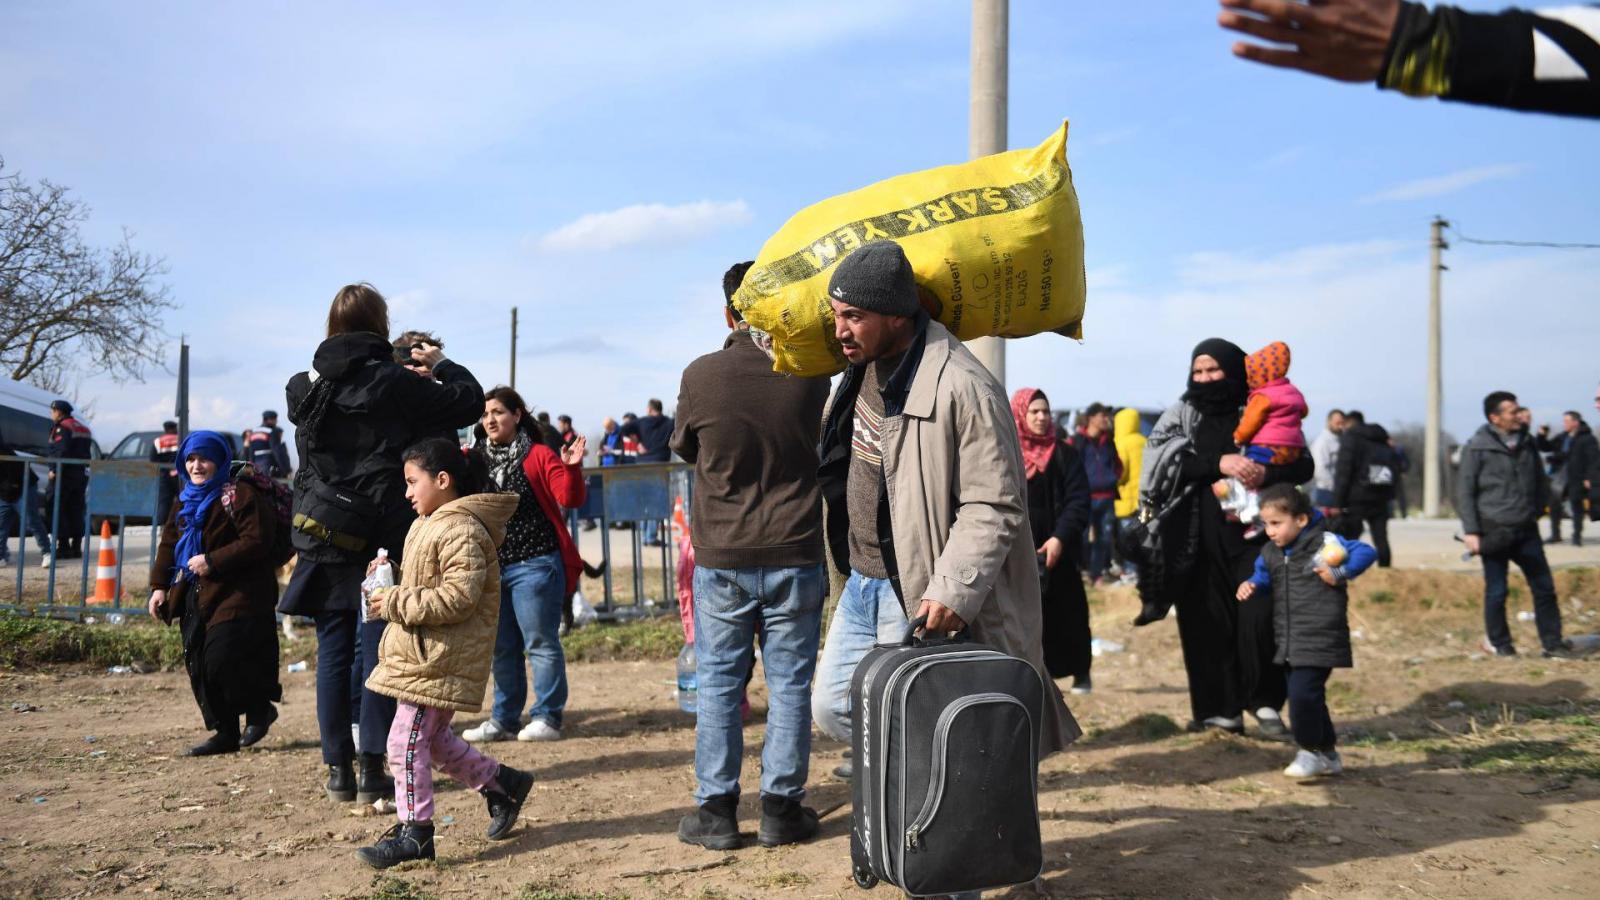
{"x": 876, "y": 278}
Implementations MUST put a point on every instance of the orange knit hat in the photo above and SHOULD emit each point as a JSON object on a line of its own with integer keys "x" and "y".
{"x": 1267, "y": 364}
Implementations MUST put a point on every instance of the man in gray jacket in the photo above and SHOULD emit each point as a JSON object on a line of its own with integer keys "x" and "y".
{"x": 927, "y": 512}
{"x": 1500, "y": 491}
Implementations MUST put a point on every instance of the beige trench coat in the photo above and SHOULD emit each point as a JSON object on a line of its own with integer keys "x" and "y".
{"x": 958, "y": 509}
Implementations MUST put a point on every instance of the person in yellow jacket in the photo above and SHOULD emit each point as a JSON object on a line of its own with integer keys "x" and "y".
{"x": 1130, "y": 449}
{"x": 435, "y": 653}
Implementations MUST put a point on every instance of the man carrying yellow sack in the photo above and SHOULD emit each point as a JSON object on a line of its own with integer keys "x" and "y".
{"x": 927, "y": 513}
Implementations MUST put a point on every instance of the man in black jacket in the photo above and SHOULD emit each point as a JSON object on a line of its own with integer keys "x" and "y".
{"x": 1579, "y": 455}
{"x": 1365, "y": 474}
{"x": 1500, "y": 491}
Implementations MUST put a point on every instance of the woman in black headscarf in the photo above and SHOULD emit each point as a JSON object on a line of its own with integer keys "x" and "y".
{"x": 1227, "y": 645}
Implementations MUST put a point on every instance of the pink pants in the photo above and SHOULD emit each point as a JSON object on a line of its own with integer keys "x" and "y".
{"x": 420, "y": 740}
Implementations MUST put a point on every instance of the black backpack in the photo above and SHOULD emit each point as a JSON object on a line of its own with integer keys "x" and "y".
{"x": 1380, "y": 470}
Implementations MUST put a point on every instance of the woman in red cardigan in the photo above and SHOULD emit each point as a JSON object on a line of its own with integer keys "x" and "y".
{"x": 539, "y": 569}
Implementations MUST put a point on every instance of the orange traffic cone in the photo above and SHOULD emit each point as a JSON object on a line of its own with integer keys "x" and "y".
{"x": 680, "y": 522}
{"x": 105, "y": 581}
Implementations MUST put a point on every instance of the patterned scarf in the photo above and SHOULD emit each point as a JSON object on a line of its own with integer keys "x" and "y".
{"x": 505, "y": 458}
{"x": 1036, "y": 448}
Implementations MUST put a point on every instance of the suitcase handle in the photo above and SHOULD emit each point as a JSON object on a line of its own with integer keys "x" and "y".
{"x": 911, "y": 639}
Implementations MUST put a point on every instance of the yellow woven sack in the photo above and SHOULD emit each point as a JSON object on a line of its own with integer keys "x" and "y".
{"x": 996, "y": 243}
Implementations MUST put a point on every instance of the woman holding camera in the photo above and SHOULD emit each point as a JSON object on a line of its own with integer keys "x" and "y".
{"x": 356, "y": 410}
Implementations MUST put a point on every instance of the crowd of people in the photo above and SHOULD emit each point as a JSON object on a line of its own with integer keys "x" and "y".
{"x": 943, "y": 504}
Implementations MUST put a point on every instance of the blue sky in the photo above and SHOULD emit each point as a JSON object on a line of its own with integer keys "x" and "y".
{"x": 600, "y": 165}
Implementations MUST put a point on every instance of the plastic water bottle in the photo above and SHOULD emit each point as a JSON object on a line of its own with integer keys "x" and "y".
{"x": 688, "y": 683}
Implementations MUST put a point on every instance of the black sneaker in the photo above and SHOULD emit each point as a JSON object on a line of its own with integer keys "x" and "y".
{"x": 506, "y": 804}
{"x": 215, "y": 745}
{"x": 256, "y": 728}
{"x": 404, "y": 842}
{"x": 714, "y": 826}
{"x": 1562, "y": 650}
{"x": 785, "y": 821}
{"x": 373, "y": 781}
{"x": 1577, "y": 540}
{"x": 341, "y": 786}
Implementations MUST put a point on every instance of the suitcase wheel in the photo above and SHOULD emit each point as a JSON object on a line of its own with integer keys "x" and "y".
{"x": 865, "y": 879}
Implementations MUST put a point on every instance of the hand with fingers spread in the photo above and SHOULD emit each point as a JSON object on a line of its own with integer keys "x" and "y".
{"x": 1340, "y": 39}
{"x": 572, "y": 454}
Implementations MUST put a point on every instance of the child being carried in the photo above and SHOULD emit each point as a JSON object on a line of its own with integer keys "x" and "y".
{"x": 1269, "y": 430}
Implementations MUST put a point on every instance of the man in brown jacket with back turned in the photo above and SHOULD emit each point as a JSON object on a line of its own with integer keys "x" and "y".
{"x": 927, "y": 506}
{"x": 756, "y": 524}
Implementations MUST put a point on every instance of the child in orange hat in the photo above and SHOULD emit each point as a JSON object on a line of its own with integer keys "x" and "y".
{"x": 1269, "y": 430}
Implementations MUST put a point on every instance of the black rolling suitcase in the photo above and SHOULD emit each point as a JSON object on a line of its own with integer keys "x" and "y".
{"x": 946, "y": 750}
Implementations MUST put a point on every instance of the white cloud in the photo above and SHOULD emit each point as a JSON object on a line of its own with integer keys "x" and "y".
{"x": 1445, "y": 184}
{"x": 644, "y": 223}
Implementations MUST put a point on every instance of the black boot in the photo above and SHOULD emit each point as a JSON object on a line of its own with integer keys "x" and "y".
{"x": 341, "y": 786}
{"x": 256, "y": 725}
{"x": 216, "y": 744}
{"x": 506, "y": 804}
{"x": 402, "y": 843}
{"x": 373, "y": 781}
{"x": 714, "y": 826}
{"x": 785, "y": 821}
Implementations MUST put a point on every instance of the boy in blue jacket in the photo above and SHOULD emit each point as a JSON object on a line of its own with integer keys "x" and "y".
{"x": 1307, "y": 568}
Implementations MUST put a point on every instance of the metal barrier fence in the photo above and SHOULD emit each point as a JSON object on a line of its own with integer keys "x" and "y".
{"x": 640, "y": 494}
{"x": 122, "y": 490}
{"x": 114, "y": 490}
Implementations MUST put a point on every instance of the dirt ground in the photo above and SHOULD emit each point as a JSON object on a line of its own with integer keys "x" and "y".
{"x": 1466, "y": 777}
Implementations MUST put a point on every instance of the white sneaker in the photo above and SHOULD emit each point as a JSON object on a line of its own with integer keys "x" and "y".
{"x": 539, "y": 730}
{"x": 485, "y": 731}
{"x": 1309, "y": 764}
{"x": 45, "y": 560}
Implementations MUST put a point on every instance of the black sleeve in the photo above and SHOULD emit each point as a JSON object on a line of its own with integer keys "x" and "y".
{"x": 455, "y": 400}
{"x": 1297, "y": 472}
{"x": 1200, "y": 468}
{"x": 1344, "y": 471}
{"x": 1513, "y": 59}
{"x": 1073, "y": 498}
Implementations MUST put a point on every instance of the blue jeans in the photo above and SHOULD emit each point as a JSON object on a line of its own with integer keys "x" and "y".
{"x": 729, "y": 605}
{"x": 652, "y": 531}
{"x": 868, "y": 613}
{"x": 1102, "y": 519}
{"x": 11, "y": 516}
{"x": 1527, "y": 551}
{"x": 531, "y": 594}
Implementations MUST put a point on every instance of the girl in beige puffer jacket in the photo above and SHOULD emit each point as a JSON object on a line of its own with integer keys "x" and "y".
{"x": 435, "y": 653}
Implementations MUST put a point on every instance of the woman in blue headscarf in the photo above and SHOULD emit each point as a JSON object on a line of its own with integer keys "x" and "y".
{"x": 213, "y": 574}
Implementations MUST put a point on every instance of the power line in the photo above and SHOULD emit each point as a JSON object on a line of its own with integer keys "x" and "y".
{"x": 1554, "y": 245}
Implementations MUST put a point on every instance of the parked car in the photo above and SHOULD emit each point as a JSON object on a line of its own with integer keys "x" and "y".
{"x": 137, "y": 446}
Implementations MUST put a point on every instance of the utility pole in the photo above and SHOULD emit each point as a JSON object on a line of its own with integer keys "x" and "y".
{"x": 182, "y": 410}
{"x": 1432, "y": 452}
{"x": 513, "y": 348}
{"x": 986, "y": 123}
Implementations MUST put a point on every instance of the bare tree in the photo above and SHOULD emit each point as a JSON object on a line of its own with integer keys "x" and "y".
{"x": 67, "y": 306}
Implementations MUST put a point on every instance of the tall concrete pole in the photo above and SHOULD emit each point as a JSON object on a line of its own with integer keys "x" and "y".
{"x": 1433, "y": 453}
{"x": 986, "y": 128}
